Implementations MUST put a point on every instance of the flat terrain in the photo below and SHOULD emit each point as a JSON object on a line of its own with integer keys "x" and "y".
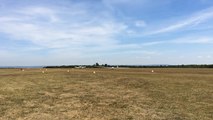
{"x": 120, "y": 94}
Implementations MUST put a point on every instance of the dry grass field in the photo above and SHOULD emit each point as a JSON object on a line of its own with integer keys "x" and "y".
{"x": 120, "y": 94}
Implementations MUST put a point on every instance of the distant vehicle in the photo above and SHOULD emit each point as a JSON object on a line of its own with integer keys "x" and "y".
{"x": 80, "y": 67}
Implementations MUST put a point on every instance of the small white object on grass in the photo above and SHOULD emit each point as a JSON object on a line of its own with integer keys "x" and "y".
{"x": 152, "y": 71}
{"x": 94, "y": 72}
{"x": 23, "y": 70}
{"x": 68, "y": 70}
{"x": 42, "y": 71}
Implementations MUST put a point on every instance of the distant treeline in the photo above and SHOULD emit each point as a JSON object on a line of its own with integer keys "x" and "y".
{"x": 131, "y": 66}
{"x": 169, "y": 66}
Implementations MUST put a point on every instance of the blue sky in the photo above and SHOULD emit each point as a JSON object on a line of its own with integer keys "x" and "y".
{"x": 63, "y": 32}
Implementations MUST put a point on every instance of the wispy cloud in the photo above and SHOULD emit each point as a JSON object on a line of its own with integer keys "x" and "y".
{"x": 182, "y": 40}
{"x": 140, "y": 23}
{"x": 38, "y": 12}
{"x": 47, "y": 27}
{"x": 193, "y": 20}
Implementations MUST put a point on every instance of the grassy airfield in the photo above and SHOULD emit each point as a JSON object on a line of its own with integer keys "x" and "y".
{"x": 119, "y": 94}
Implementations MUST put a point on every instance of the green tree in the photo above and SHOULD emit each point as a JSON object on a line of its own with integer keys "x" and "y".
{"x": 96, "y": 64}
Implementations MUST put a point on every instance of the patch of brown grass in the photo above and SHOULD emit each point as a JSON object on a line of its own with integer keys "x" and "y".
{"x": 109, "y": 94}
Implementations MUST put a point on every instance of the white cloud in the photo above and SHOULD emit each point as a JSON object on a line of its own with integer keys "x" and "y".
{"x": 127, "y": 2}
{"x": 209, "y": 56}
{"x": 200, "y": 57}
{"x": 204, "y": 56}
{"x": 194, "y": 20}
{"x": 38, "y": 12}
{"x": 193, "y": 40}
{"x": 58, "y": 31}
{"x": 9, "y": 19}
{"x": 113, "y": 5}
{"x": 183, "y": 40}
{"x": 140, "y": 23}
{"x": 123, "y": 1}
